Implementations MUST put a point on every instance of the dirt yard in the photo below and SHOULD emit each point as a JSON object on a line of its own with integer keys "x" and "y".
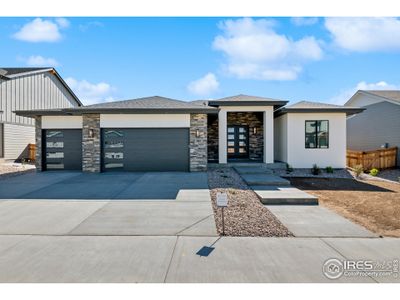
{"x": 245, "y": 214}
{"x": 372, "y": 204}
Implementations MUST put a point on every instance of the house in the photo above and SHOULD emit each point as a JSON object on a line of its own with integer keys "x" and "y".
{"x": 379, "y": 125}
{"x": 162, "y": 134}
{"x": 28, "y": 89}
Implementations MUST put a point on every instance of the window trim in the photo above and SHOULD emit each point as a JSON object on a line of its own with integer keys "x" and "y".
{"x": 317, "y": 146}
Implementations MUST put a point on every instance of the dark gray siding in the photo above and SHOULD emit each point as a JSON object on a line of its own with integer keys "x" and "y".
{"x": 378, "y": 124}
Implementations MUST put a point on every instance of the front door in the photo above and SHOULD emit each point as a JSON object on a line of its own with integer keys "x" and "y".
{"x": 238, "y": 141}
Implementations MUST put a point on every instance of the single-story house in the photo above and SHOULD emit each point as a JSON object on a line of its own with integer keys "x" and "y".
{"x": 162, "y": 134}
{"x": 377, "y": 127}
{"x": 28, "y": 89}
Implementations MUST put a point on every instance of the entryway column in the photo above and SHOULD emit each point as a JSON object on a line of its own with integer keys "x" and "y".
{"x": 222, "y": 125}
{"x": 269, "y": 135}
{"x": 91, "y": 143}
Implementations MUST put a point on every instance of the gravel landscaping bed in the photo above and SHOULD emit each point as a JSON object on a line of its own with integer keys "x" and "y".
{"x": 337, "y": 173}
{"x": 14, "y": 169}
{"x": 245, "y": 214}
{"x": 392, "y": 174}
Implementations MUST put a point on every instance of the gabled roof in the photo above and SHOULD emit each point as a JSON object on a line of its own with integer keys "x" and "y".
{"x": 392, "y": 96}
{"x": 10, "y": 73}
{"x": 314, "y": 107}
{"x": 246, "y": 100}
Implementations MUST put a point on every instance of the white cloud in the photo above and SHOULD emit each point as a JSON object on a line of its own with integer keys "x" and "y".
{"x": 91, "y": 93}
{"x": 40, "y": 30}
{"x": 301, "y": 21}
{"x": 365, "y": 34}
{"x": 40, "y": 61}
{"x": 62, "y": 22}
{"x": 88, "y": 25}
{"x": 346, "y": 94}
{"x": 204, "y": 85}
{"x": 255, "y": 51}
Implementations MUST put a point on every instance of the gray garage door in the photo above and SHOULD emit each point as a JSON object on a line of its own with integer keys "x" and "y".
{"x": 62, "y": 149}
{"x": 145, "y": 149}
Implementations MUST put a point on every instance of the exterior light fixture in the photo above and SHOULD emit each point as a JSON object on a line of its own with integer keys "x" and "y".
{"x": 255, "y": 130}
{"x": 91, "y": 133}
{"x": 197, "y": 133}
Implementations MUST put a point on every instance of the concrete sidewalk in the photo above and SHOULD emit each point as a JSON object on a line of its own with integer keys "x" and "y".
{"x": 174, "y": 259}
{"x": 317, "y": 221}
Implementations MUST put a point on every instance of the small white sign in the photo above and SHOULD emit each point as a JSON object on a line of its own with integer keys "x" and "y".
{"x": 222, "y": 199}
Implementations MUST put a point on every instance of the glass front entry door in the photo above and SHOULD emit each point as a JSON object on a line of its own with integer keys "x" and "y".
{"x": 238, "y": 141}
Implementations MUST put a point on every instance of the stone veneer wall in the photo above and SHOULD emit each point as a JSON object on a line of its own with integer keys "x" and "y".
{"x": 198, "y": 145}
{"x": 256, "y": 140}
{"x": 38, "y": 142}
{"x": 91, "y": 152}
{"x": 212, "y": 131}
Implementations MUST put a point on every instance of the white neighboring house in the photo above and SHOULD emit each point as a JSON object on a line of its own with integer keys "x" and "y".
{"x": 379, "y": 125}
{"x": 28, "y": 89}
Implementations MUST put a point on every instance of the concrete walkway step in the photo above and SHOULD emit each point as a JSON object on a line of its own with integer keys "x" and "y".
{"x": 253, "y": 170}
{"x": 284, "y": 196}
{"x": 264, "y": 179}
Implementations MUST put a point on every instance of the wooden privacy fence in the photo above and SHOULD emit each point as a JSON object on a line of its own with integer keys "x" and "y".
{"x": 32, "y": 152}
{"x": 380, "y": 159}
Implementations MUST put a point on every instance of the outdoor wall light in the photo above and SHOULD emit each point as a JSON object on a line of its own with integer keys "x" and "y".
{"x": 91, "y": 133}
{"x": 255, "y": 130}
{"x": 197, "y": 133}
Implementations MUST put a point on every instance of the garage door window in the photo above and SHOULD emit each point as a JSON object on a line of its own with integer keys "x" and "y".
{"x": 113, "y": 153}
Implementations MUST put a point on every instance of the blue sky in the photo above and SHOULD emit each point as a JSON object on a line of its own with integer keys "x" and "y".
{"x": 105, "y": 59}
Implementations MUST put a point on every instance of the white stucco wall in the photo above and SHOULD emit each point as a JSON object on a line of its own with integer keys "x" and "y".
{"x": 145, "y": 120}
{"x": 62, "y": 122}
{"x": 300, "y": 157}
{"x": 280, "y": 138}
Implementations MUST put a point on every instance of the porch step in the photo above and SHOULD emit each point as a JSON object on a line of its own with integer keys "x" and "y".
{"x": 264, "y": 179}
{"x": 276, "y": 165}
{"x": 253, "y": 170}
{"x": 284, "y": 196}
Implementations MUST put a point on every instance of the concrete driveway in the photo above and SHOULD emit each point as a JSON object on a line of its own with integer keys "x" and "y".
{"x": 107, "y": 186}
{"x": 68, "y": 203}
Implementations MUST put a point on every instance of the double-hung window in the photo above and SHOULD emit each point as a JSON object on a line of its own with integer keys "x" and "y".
{"x": 317, "y": 134}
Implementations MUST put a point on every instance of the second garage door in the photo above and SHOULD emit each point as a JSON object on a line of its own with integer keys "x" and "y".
{"x": 145, "y": 149}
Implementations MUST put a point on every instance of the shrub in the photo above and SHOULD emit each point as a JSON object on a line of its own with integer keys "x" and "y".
{"x": 315, "y": 170}
{"x": 329, "y": 169}
{"x": 289, "y": 168}
{"x": 358, "y": 170}
{"x": 374, "y": 172}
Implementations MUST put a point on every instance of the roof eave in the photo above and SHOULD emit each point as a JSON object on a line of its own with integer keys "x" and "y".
{"x": 81, "y": 111}
{"x": 218, "y": 103}
{"x": 349, "y": 111}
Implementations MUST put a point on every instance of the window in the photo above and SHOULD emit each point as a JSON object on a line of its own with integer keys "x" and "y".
{"x": 317, "y": 134}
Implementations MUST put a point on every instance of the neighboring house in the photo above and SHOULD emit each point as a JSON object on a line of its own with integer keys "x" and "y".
{"x": 379, "y": 125}
{"x": 161, "y": 134}
{"x": 28, "y": 89}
